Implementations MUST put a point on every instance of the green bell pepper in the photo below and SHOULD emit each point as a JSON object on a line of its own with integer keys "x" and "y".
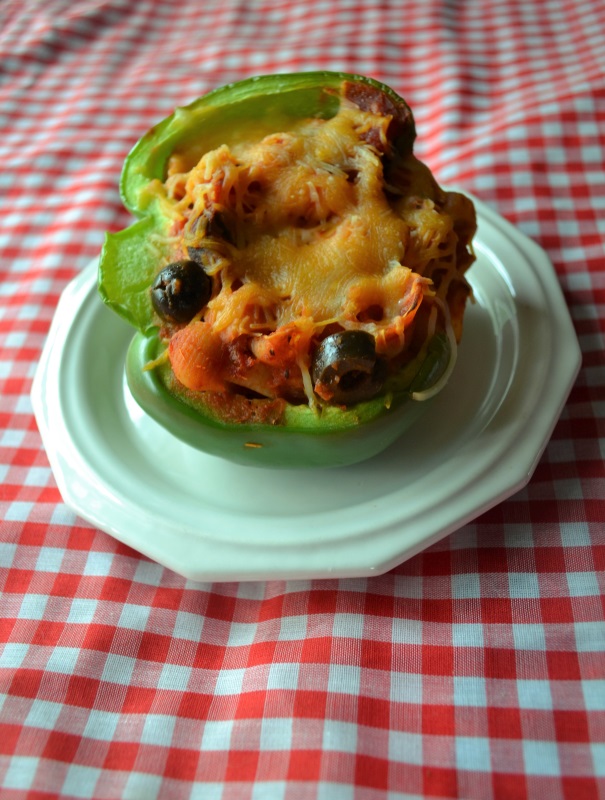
{"x": 304, "y": 437}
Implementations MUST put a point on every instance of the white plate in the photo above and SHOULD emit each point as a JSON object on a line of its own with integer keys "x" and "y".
{"x": 475, "y": 444}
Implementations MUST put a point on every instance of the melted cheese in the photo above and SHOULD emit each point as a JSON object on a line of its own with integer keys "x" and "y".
{"x": 318, "y": 236}
{"x": 314, "y": 278}
{"x": 316, "y": 226}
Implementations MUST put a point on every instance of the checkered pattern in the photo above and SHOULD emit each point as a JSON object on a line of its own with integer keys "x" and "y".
{"x": 474, "y": 670}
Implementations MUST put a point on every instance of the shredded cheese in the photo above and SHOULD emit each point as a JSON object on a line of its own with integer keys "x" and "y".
{"x": 444, "y": 378}
{"x": 320, "y": 229}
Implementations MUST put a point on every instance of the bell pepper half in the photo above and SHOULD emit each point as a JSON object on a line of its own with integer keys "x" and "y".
{"x": 322, "y": 436}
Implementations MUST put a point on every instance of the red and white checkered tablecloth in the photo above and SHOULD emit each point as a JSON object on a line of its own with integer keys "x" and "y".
{"x": 474, "y": 670}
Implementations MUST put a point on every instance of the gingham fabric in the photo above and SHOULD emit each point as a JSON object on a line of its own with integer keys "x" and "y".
{"x": 474, "y": 670}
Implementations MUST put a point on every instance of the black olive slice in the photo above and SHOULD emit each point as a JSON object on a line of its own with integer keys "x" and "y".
{"x": 180, "y": 291}
{"x": 346, "y": 369}
{"x": 211, "y": 223}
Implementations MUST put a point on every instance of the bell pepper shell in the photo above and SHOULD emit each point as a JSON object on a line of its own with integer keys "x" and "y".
{"x": 330, "y": 437}
{"x": 267, "y": 102}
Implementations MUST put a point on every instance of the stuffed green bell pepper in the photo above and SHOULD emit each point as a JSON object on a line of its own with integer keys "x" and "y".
{"x": 296, "y": 275}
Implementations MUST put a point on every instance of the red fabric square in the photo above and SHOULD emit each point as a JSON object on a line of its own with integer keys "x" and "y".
{"x": 168, "y": 597}
{"x": 9, "y": 736}
{"x": 17, "y": 581}
{"x": 138, "y": 700}
{"x": 261, "y": 653}
{"x": 26, "y": 682}
{"x": 496, "y": 610}
{"x": 61, "y": 746}
{"x": 209, "y": 656}
{"x": 316, "y": 650}
{"x": 549, "y": 559}
{"x": 32, "y": 533}
{"x": 372, "y": 772}
{"x": 373, "y": 712}
{"x": 115, "y": 589}
{"x": 194, "y": 705}
{"x": 242, "y": 765}
{"x": 557, "y": 609}
{"x": 304, "y": 765}
{"x": 121, "y": 756}
{"x": 440, "y": 782}
{"x": 378, "y": 605}
{"x": 504, "y": 723}
{"x": 181, "y": 764}
{"x": 309, "y": 704}
{"x": 563, "y": 666}
{"x": 509, "y": 786}
{"x": 571, "y": 726}
{"x": 48, "y": 633}
{"x": 271, "y": 608}
{"x": 438, "y": 720}
{"x": 375, "y": 655}
{"x": 500, "y": 663}
{"x": 437, "y": 660}
{"x": 81, "y": 538}
{"x": 322, "y": 601}
{"x": 154, "y": 647}
{"x": 250, "y": 705}
{"x": 220, "y": 607}
{"x": 578, "y": 787}
{"x": 66, "y": 585}
{"x": 99, "y": 637}
{"x": 437, "y": 610}
{"x": 82, "y": 691}
{"x": 437, "y": 562}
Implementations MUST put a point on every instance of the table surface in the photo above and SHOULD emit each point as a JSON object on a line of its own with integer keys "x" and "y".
{"x": 476, "y": 669}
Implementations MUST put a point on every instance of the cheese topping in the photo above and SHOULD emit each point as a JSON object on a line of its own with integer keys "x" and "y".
{"x": 321, "y": 226}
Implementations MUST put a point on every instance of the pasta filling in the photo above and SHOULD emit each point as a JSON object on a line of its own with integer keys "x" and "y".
{"x": 324, "y": 228}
